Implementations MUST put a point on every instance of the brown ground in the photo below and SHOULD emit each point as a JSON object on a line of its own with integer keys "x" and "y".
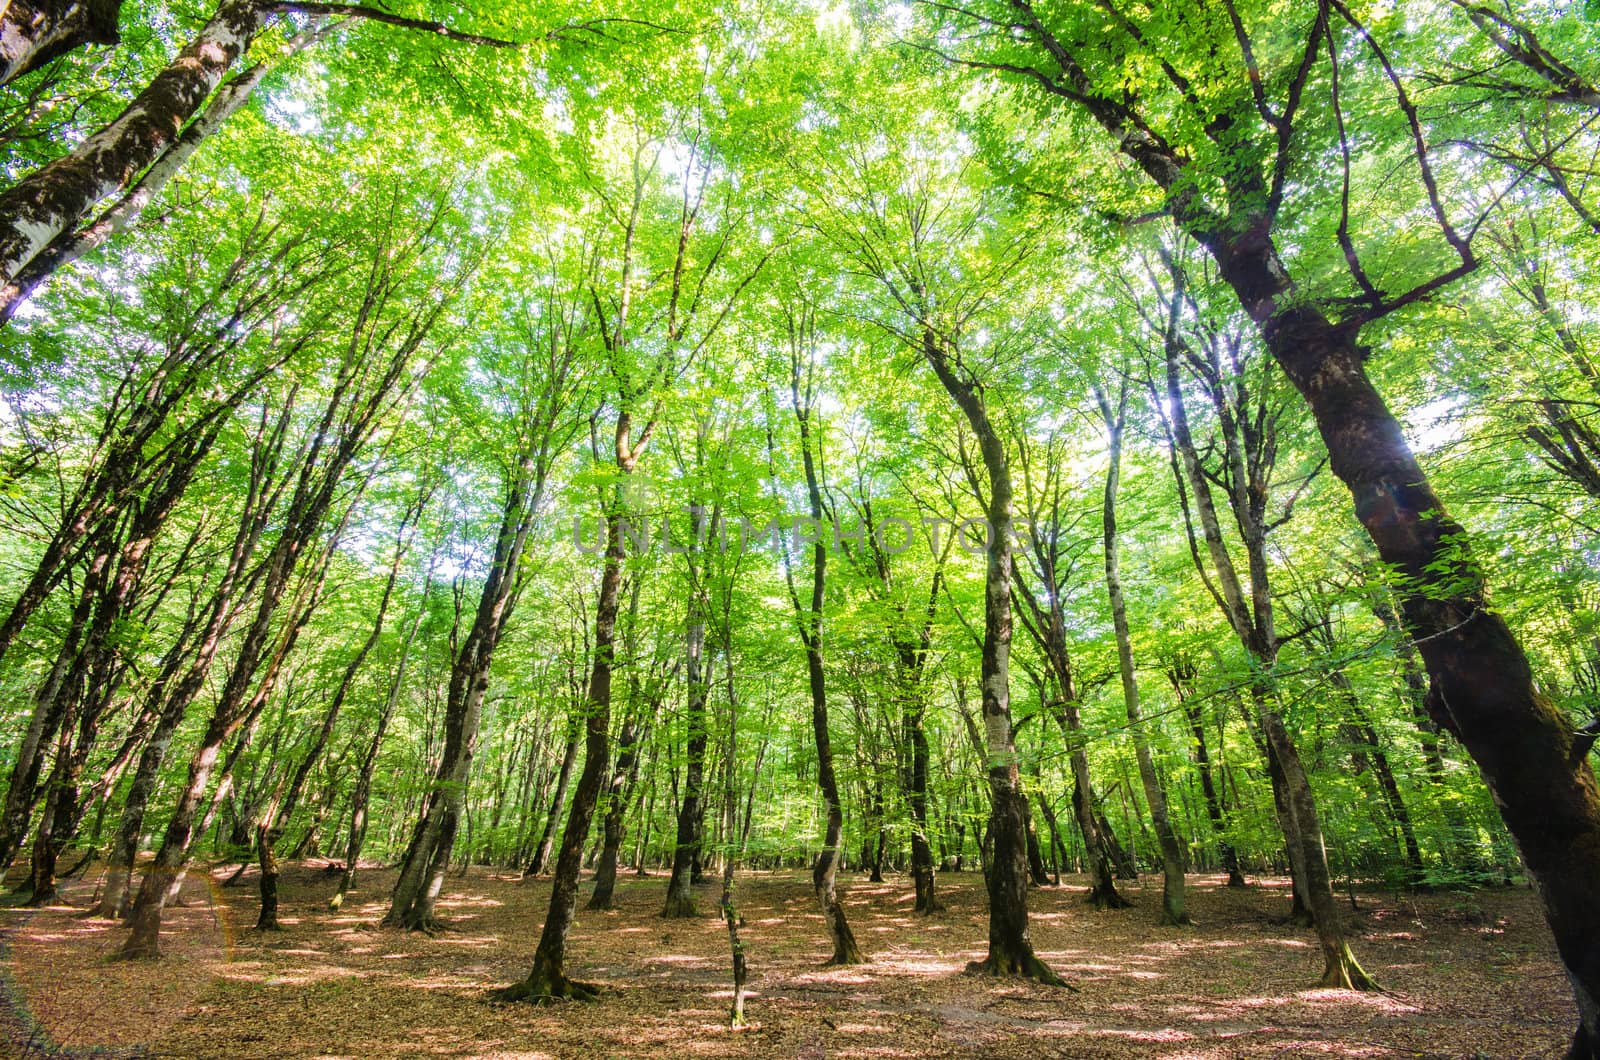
{"x": 1472, "y": 975}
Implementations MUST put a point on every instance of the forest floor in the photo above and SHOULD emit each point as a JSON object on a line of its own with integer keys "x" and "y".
{"x": 1471, "y": 975}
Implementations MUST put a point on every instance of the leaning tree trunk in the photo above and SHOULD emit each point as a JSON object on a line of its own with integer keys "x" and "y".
{"x": 541, "y": 853}
{"x": 423, "y": 870}
{"x": 362, "y": 793}
{"x": 361, "y": 393}
{"x": 74, "y": 242}
{"x": 35, "y": 32}
{"x": 50, "y": 706}
{"x": 56, "y": 198}
{"x": 547, "y": 979}
{"x": 1172, "y": 904}
{"x": 617, "y": 798}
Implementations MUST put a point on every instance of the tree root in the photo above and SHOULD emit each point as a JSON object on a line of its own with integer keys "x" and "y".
{"x": 428, "y": 925}
{"x": 1107, "y": 897}
{"x": 845, "y": 959}
{"x": 547, "y": 988}
{"x": 1027, "y": 966}
{"x": 680, "y": 907}
{"x": 1344, "y": 972}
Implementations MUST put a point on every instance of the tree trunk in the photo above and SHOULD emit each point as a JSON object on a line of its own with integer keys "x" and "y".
{"x": 36, "y": 32}
{"x": 1006, "y": 872}
{"x": 825, "y": 871}
{"x": 922, "y": 868}
{"x": 49, "y": 710}
{"x": 362, "y": 792}
{"x": 73, "y": 242}
{"x": 569, "y": 758}
{"x": 547, "y": 980}
{"x": 540, "y": 422}
{"x": 1208, "y": 786}
{"x": 55, "y": 198}
{"x": 686, "y": 853}
{"x": 1172, "y": 903}
{"x": 622, "y": 776}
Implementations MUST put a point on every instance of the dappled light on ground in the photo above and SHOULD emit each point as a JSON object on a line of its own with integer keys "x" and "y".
{"x": 1240, "y": 984}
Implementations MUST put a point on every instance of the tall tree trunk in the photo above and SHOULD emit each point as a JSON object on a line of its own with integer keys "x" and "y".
{"x": 547, "y": 979}
{"x": 280, "y": 810}
{"x": 362, "y": 792}
{"x": 1252, "y": 621}
{"x": 423, "y": 870}
{"x": 825, "y": 870}
{"x": 922, "y": 867}
{"x": 730, "y": 914}
{"x": 686, "y": 853}
{"x": 1172, "y": 904}
{"x": 1006, "y": 873}
{"x": 363, "y": 392}
{"x": 50, "y": 706}
{"x": 1202, "y": 764}
{"x": 617, "y": 799}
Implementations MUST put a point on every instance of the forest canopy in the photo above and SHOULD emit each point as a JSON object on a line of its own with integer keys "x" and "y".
{"x": 902, "y": 440}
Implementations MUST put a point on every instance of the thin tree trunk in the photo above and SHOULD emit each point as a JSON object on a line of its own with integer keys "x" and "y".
{"x": 617, "y": 800}
{"x": 569, "y": 758}
{"x": 1208, "y": 786}
{"x": 825, "y": 871}
{"x": 730, "y": 914}
{"x": 1172, "y": 898}
{"x": 686, "y": 852}
{"x": 547, "y": 979}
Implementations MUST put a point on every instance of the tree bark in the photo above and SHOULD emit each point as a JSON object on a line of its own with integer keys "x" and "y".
{"x": 1176, "y": 674}
{"x": 1172, "y": 903}
{"x": 54, "y": 199}
{"x": 617, "y": 799}
{"x": 825, "y": 870}
{"x": 1006, "y": 874}
{"x": 362, "y": 792}
{"x": 686, "y": 852}
{"x": 547, "y": 980}
{"x": 35, "y": 32}
{"x": 552, "y": 820}
{"x": 423, "y": 870}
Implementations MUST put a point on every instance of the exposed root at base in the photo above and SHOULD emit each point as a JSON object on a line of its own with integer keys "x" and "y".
{"x": 547, "y": 990}
{"x": 1027, "y": 967}
{"x": 1107, "y": 898}
{"x": 1346, "y": 973}
{"x": 430, "y": 926}
{"x": 139, "y": 953}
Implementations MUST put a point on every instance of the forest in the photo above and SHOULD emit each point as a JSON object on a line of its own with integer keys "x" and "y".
{"x": 863, "y": 528}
